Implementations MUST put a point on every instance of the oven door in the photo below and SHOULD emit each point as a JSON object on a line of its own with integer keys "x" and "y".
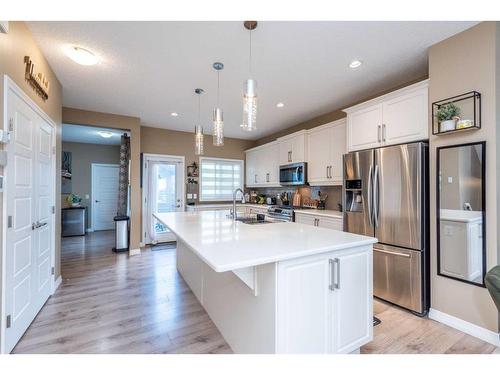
{"x": 293, "y": 174}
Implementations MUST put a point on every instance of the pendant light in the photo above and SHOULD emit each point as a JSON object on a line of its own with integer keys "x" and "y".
{"x": 198, "y": 128}
{"x": 250, "y": 88}
{"x": 218, "y": 117}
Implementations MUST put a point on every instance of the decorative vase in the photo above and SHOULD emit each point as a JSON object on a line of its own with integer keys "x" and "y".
{"x": 447, "y": 125}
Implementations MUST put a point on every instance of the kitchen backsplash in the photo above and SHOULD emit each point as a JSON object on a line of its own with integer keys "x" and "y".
{"x": 334, "y": 193}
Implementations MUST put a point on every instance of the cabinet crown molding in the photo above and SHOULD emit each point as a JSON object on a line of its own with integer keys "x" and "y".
{"x": 292, "y": 135}
{"x": 338, "y": 122}
{"x": 261, "y": 146}
{"x": 390, "y": 95}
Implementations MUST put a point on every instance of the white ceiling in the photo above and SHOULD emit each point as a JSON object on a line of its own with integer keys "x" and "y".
{"x": 90, "y": 134}
{"x": 150, "y": 69}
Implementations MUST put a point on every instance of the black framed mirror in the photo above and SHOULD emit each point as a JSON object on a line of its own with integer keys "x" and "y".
{"x": 461, "y": 212}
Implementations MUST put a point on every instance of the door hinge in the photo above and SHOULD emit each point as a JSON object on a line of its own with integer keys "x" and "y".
{"x": 9, "y": 321}
{"x": 53, "y": 271}
{"x": 11, "y": 124}
{"x": 9, "y": 221}
{"x": 53, "y": 209}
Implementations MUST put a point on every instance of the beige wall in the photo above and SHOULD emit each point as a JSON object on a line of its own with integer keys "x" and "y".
{"x": 108, "y": 120}
{"x": 171, "y": 142}
{"x": 13, "y": 47}
{"x": 83, "y": 155}
{"x": 465, "y": 62}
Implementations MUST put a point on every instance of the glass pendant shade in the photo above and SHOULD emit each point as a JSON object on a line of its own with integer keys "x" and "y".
{"x": 198, "y": 140}
{"x": 249, "y": 105}
{"x": 218, "y": 119}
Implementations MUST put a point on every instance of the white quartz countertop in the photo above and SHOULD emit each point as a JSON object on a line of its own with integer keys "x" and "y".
{"x": 315, "y": 212}
{"x": 225, "y": 245}
{"x": 460, "y": 215}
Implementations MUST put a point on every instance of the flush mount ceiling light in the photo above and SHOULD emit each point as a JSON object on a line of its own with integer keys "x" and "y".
{"x": 355, "y": 64}
{"x": 218, "y": 116}
{"x": 174, "y": 114}
{"x": 105, "y": 134}
{"x": 250, "y": 88}
{"x": 198, "y": 129}
{"x": 82, "y": 56}
{"x": 280, "y": 105}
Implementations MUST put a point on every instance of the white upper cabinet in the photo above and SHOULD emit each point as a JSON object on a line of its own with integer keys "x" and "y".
{"x": 292, "y": 148}
{"x": 262, "y": 167}
{"x": 398, "y": 117}
{"x": 325, "y": 147}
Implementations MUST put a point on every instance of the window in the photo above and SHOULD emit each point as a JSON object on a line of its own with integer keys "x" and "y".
{"x": 219, "y": 178}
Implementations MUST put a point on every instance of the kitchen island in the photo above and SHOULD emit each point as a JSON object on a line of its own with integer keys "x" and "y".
{"x": 277, "y": 287}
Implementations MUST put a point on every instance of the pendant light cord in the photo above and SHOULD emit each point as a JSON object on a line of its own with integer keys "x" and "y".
{"x": 250, "y": 54}
{"x": 218, "y": 87}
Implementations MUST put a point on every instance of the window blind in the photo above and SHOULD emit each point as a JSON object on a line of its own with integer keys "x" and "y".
{"x": 219, "y": 178}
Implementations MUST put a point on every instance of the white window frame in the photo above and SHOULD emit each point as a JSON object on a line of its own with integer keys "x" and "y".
{"x": 242, "y": 178}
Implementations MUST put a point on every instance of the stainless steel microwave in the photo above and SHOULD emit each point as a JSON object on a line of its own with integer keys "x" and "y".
{"x": 293, "y": 174}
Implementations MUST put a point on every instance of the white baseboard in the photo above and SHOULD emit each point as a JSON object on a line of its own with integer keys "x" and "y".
{"x": 133, "y": 252}
{"x": 57, "y": 283}
{"x": 466, "y": 327}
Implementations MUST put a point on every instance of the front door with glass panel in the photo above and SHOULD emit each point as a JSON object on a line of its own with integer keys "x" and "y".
{"x": 164, "y": 194}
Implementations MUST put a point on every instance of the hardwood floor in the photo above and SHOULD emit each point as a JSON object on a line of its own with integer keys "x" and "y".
{"x": 110, "y": 303}
{"x": 404, "y": 333}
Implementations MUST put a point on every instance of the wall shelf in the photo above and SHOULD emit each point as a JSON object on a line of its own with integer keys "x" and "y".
{"x": 470, "y": 113}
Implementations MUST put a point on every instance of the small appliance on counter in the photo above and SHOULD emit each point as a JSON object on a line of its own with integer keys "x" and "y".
{"x": 321, "y": 201}
{"x": 297, "y": 199}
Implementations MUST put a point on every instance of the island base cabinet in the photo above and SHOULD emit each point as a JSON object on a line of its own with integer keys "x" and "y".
{"x": 325, "y": 303}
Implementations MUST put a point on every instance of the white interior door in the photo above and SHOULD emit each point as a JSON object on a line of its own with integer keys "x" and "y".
{"x": 29, "y": 223}
{"x": 105, "y": 181}
{"x": 164, "y": 188}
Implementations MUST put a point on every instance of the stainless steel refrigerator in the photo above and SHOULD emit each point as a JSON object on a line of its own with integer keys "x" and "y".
{"x": 386, "y": 196}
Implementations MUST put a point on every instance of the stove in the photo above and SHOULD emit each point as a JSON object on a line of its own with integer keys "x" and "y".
{"x": 285, "y": 213}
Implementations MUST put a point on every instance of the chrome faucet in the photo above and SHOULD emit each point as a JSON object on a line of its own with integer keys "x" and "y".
{"x": 233, "y": 212}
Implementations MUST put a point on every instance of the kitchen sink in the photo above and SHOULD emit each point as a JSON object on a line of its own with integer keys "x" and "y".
{"x": 253, "y": 220}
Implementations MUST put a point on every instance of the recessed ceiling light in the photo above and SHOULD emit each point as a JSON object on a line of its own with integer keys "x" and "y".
{"x": 105, "y": 134}
{"x": 174, "y": 114}
{"x": 355, "y": 64}
{"x": 82, "y": 56}
{"x": 280, "y": 105}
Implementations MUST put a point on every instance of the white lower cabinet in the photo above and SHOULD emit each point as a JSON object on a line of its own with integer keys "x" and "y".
{"x": 331, "y": 222}
{"x": 325, "y": 303}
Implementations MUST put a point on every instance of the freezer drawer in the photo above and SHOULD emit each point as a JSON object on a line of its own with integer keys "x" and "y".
{"x": 398, "y": 276}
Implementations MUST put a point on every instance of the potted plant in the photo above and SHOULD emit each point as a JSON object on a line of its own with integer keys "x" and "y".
{"x": 447, "y": 115}
{"x": 74, "y": 200}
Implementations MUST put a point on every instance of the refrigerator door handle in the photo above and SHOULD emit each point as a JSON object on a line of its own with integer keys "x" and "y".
{"x": 370, "y": 197}
{"x": 376, "y": 197}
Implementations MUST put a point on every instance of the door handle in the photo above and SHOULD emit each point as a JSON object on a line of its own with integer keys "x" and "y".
{"x": 383, "y": 132}
{"x": 370, "y": 197}
{"x": 378, "y": 134}
{"x": 392, "y": 253}
{"x": 255, "y": 178}
{"x": 327, "y": 172}
{"x": 97, "y": 201}
{"x": 267, "y": 177}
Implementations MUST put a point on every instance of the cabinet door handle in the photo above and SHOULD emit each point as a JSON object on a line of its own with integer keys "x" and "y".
{"x": 332, "y": 271}
{"x": 267, "y": 177}
{"x": 378, "y": 133}
{"x": 383, "y": 132}
{"x": 255, "y": 178}
{"x": 336, "y": 284}
{"x": 330, "y": 171}
{"x": 327, "y": 172}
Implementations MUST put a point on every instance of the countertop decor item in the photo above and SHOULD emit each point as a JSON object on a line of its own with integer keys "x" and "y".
{"x": 74, "y": 200}
{"x": 458, "y": 113}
